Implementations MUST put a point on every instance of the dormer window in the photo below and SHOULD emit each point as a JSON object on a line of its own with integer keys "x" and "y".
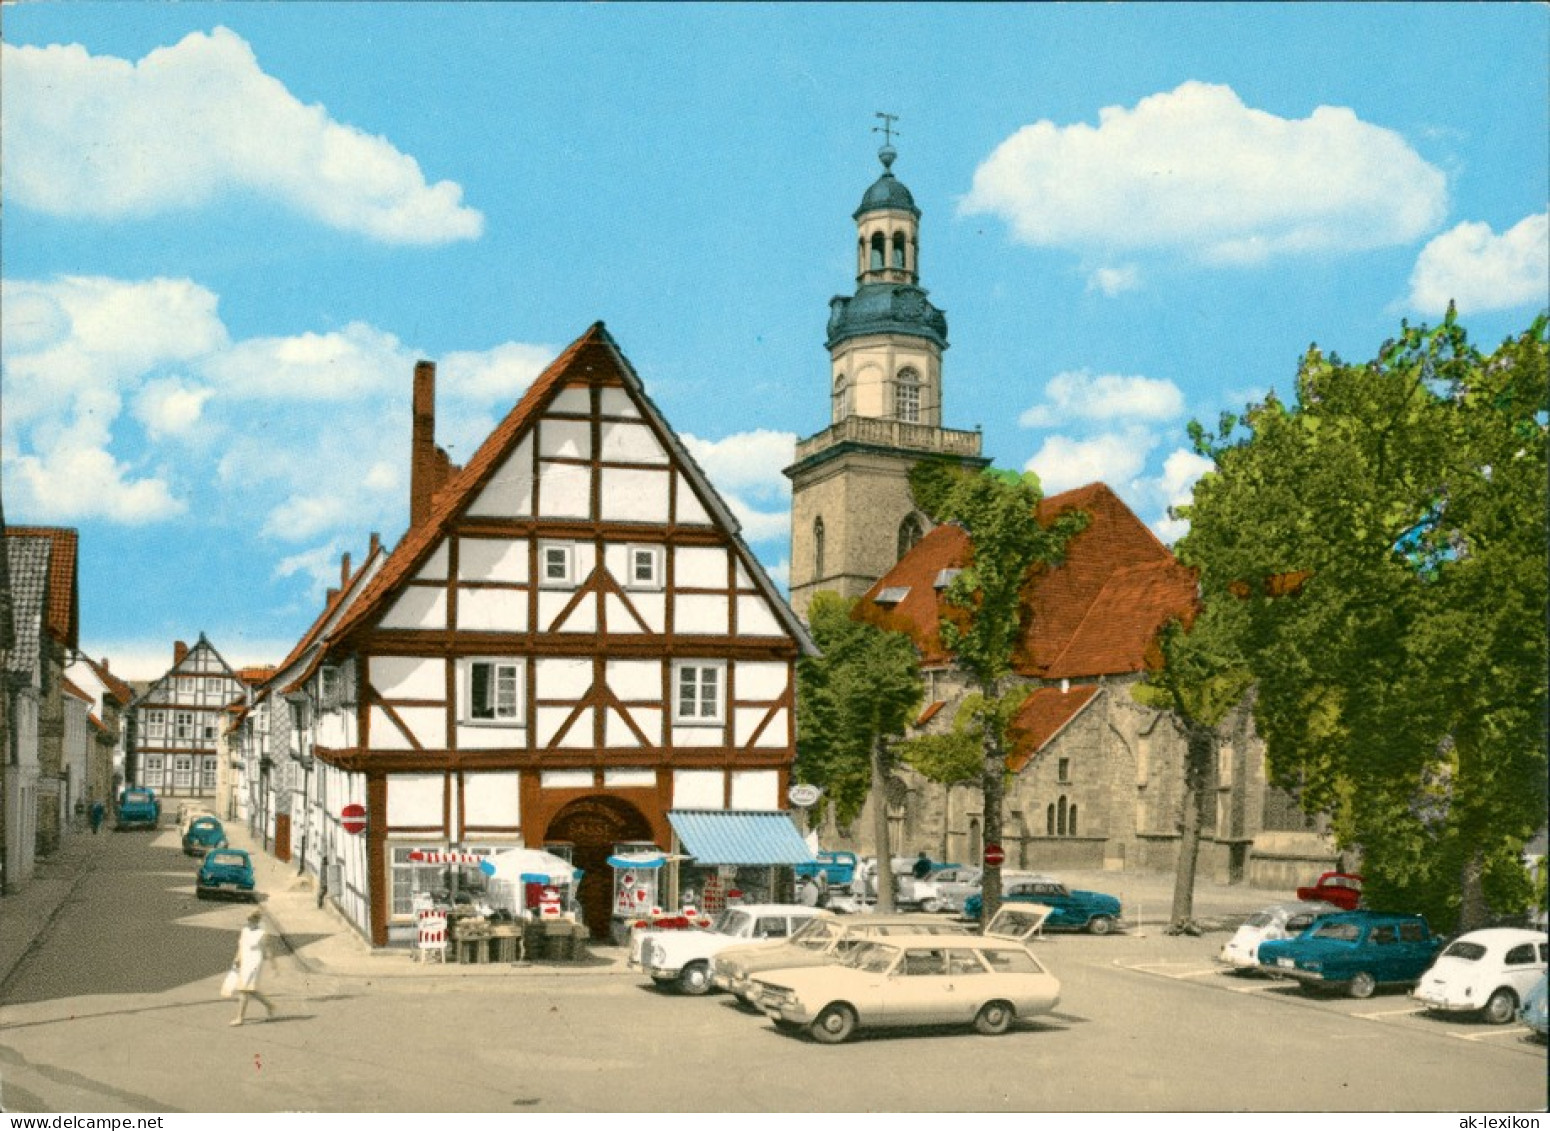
{"x": 556, "y": 564}
{"x": 944, "y": 578}
{"x": 891, "y": 595}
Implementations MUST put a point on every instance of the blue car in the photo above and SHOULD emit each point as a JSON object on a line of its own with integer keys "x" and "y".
{"x": 838, "y": 868}
{"x": 138, "y": 808}
{"x": 204, "y": 833}
{"x": 225, "y": 871}
{"x": 1533, "y": 1012}
{"x": 1090, "y": 911}
{"x": 1354, "y": 951}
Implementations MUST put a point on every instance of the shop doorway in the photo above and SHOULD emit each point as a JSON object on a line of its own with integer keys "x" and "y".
{"x": 594, "y": 825}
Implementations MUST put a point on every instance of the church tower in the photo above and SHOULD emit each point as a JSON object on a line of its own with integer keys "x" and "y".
{"x": 852, "y": 516}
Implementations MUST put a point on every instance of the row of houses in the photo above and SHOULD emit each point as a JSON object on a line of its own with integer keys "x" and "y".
{"x": 61, "y": 712}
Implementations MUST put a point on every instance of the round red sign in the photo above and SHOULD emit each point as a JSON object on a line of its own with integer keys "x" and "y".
{"x": 994, "y": 855}
{"x": 353, "y": 818}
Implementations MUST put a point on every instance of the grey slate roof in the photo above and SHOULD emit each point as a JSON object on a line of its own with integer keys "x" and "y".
{"x": 28, "y": 561}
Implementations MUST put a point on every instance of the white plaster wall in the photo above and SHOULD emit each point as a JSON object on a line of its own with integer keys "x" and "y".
{"x": 565, "y": 490}
{"x": 492, "y": 798}
{"x": 491, "y": 737}
{"x": 616, "y": 733}
{"x": 435, "y": 567}
{"x": 690, "y": 512}
{"x": 778, "y": 733}
{"x": 385, "y": 734}
{"x": 699, "y": 736}
{"x": 502, "y": 610}
{"x": 698, "y": 789}
{"x": 428, "y": 724}
{"x": 565, "y": 779}
{"x": 492, "y": 559}
{"x": 574, "y": 399}
{"x": 761, "y": 681}
{"x": 418, "y": 607}
{"x": 756, "y": 789}
{"x": 510, "y": 490}
{"x": 630, "y": 778}
{"x": 754, "y": 618}
{"x": 649, "y": 720}
{"x": 415, "y": 799}
{"x": 336, "y": 729}
{"x": 700, "y": 567}
{"x": 745, "y": 721}
{"x": 635, "y": 679}
{"x": 408, "y": 677}
{"x": 617, "y": 402}
{"x": 652, "y": 608}
{"x": 563, "y": 677}
{"x": 569, "y": 438}
{"x": 634, "y": 495}
{"x": 631, "y": 443}
{"x": 549, "y": 721}
{"x": 700, "y": 613}
{"x": 579, "y": 736}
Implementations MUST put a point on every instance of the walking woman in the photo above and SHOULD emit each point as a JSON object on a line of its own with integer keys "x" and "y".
{"x": 249, "y": 964}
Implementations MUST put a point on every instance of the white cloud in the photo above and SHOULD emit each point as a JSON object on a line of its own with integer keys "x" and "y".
{"x": 1479, "y": 270}
{"x": 320, "y": 565}
{"x": 171, "y": 407}
{"x": 103, "y": 138}
{"x": 351, "y": 364}
{"x": 76, "y": 481}
{"x": 1079, "y": 396}
{"x": 1114, "y": 280}
{"x": 500, "y": 374}
{"x": 745, "y": 469}
{"x": 1115, "y": 458}
{"x": 780, "y": 574}
{"x": 1194, "y": 170}
{"x": 1174, "y": 487}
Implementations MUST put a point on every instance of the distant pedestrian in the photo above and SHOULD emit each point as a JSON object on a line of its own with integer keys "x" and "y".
{"x": 250, "y": 964}
{"x": 922, "y": 867}
{"x": 98, "y": 812}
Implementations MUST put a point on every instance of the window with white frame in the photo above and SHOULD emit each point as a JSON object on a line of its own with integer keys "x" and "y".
{"x": 645, "y": 568}
{"x": 182, "y": 771}
{"x": 699, "y": 692}
{"x": 207, "y": 771}
{"x": 556, "y": 564}
{"x": 153, "y": 768}
{"x": 156, "y": 724}
{"x": 495, "y": 691}
{"x": 184, "y": 723}
{"x": 213, "y": 686}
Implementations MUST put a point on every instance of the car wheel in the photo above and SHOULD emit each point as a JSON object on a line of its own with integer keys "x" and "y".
{"x": 201, "y": 894}
{"x": 931, "y": 906}
{"x": 834, "y": 1025}
{"x": 694, "y": 979}
{"x": 994, "y": 1018}
{"x": 1362, "y": 985}
{"x": 1502, "y": 1007}
{"x": 1100, "y": 924}
{"x": 748, "y": 1003}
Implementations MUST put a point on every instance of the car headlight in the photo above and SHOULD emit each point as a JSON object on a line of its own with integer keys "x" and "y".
{"x": 648, "y": 954}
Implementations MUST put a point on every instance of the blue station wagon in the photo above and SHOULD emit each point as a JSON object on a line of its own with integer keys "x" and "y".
{"x": 1090, "y": 911}
{"x": 225, "y": 871}
{"x": 1356, "y": 951}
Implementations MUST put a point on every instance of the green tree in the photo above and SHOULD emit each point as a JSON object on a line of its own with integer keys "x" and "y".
{"x": 854, "y": 700}
{"x": 954, "y": 757}
{"x": 985, "y": 618}
{"x": 1386, "y": 537}
{"x": 1195, "y": 674}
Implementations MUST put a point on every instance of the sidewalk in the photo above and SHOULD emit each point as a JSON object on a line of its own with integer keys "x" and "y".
{"x": 26, "y": 913}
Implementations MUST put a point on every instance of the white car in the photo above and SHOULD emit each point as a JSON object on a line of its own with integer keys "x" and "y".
{"x": 1278, "y": 921}
{"x": 1487, "y": 972}
{"x": 988, "y": 981}
{"x": 682, "y": 958}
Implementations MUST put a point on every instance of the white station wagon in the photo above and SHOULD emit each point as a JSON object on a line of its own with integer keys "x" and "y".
{"x": 988, "y": 981}
{"x": 1486, "y": 972}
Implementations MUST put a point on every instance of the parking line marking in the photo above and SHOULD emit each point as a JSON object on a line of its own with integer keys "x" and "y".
{"x": 1388, "y": 1013}
{"x": 1510, "y": 1031}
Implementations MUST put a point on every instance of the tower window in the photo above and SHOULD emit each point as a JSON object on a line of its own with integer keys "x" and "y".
{"x": 898, "y": 250}
{"x": 841, "y": 398}
{"x": 906, "y": 396}
{"x": 878, "y": 246}
{"x": 910, "y": 534}
{"x": 817, "y": 549}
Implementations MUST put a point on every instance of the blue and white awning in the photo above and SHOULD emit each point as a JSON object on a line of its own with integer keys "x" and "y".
{"x": 736, "y": 837}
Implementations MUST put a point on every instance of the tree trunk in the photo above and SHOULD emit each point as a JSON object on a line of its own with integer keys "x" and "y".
{"x": 880, "y": 828}
{"x": 1473, "y": 913}
{"x": 1200, "y": 750}
{"x": 991, "y": 787}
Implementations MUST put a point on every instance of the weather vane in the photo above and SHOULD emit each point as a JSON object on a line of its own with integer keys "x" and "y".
{"x": 886, "y": 129}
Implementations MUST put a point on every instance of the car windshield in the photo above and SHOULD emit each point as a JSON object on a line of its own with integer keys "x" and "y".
{"x": 1342, "y": 932}
{"x": 1468, "y": 951}
{"x": 874, "y": 958}
{"x": 136, "y": 795}
{"x": 814, "y": 932}
{"x": 732, "y": 921}
{"x": 228, "y": 858}
{"x": 1340, "y": 882}
{"x": 1260, "y": 919}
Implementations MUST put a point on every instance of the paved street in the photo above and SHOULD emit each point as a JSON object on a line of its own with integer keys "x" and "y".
{"x": 117, "y": 1010}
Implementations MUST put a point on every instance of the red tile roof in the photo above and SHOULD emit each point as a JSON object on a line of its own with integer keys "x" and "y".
{"x": 117, "y": 688}
{"x": 1044, "y": 715}
{"x": 255, "y": 675}
{"x": 64, "y": 615}
{"x": 1093, "y": 614}
{"x": 71, "y": 689}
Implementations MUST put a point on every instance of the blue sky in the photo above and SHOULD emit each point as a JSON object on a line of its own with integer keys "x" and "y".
{"x": 230, "y": 229}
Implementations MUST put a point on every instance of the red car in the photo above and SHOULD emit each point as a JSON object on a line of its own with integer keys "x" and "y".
{"x": 1340, "y": 888}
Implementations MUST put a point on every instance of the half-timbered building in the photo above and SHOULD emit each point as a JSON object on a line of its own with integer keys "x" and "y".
{"x": 177, "y": 723}
{"x": 570, "y": 642}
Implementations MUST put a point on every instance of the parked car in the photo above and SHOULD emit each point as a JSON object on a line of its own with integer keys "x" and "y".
{"x": 988, "y": 981}
{"x": 225, "y": 871}
{"x": 952, "y": 884}
{"x": 682, "y": 958}
{"x": 1278, "y": 921}
{"x": 1342, "y": 889}
{"x": 187, "y": 811}
{"x": 1090, "y": 911}
{"x": 1533, "y": 1012}
{"x": 818, "y": 942}
{"x": 138, "y": 808}
{"x": 838, "y": 868}
{"x": 1357, "y": 951}
{"x": 203, "y": 834}
{"x": 1485, "y": 972}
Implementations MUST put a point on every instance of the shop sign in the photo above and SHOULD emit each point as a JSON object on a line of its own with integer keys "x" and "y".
{"x": 804, "y": 796}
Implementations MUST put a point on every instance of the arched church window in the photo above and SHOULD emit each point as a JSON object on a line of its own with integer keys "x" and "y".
{"x": 1060, "y": 817}
{"x": 898, "y": 250}
{"x": 906, "y": 396}
{"x": 841, "y": 398}
{"x": 1049, "y": 820}
{"x": 818, "y": 549}
{"x": 1071, "y": 821}
{"x": 877, "y": 251}
{"x": 910, "y": 534}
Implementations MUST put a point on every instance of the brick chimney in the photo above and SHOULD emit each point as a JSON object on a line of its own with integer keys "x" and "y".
{"x": 423, "y": 477}
{"x": 344, "y": 571}
{"x": 376, "y": 544}
{"x": 179, "y": 652}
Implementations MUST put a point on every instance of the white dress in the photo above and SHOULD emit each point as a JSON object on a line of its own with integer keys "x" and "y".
{"x": 250, "y": 958}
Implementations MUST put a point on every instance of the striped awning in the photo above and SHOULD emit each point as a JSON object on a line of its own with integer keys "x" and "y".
{"x": 722, "y": 837}
{"x": 427, "y": 856}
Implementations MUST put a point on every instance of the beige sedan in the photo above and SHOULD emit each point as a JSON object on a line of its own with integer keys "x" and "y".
{"x": 989, "y": 982}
